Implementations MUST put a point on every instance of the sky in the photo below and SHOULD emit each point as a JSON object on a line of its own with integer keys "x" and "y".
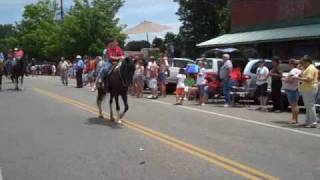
{"x": 132, "y": 13}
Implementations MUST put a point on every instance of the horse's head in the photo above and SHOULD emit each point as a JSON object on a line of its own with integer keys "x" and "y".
{"x": 127, "y": 69}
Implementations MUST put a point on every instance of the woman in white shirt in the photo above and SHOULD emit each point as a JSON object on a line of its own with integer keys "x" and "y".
{"x": 180, "y": 86}
{"x": 201, "y": 82}
{"x": 262, "y": 85}
{"x": 291, "y": 86}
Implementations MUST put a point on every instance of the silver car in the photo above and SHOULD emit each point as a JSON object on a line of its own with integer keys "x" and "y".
{"x": 250, "y": 77}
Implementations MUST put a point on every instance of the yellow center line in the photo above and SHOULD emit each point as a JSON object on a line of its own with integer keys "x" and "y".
{"x": 230, "y": 165}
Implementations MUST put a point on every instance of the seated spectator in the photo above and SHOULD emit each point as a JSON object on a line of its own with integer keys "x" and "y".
{"x": 236, "y": 76}
{"x": 212, "y": 88}
{"x": 190, "y": 87}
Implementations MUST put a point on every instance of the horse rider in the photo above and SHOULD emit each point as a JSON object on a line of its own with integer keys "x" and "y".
{"x": 112, "y": 56}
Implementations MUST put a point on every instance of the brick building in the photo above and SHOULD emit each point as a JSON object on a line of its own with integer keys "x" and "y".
{"x": 265, "y": 28}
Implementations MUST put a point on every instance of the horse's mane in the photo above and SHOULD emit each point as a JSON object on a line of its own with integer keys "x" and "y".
{"x": 127, "y": 69}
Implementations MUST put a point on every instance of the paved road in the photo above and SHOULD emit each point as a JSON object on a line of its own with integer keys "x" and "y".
{"x": 48, "y": 131}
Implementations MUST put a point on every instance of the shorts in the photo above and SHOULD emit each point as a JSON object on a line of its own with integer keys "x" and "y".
{"x": 153, "y": 84}
{"x": 162, "y": 77}
{"x": 293, "y": 95}
{"x": 187, "y": 88}
{"x": 262, "y": 90}
{"x": 138, "y": 78}
{"x": 180, "y": 91}
{"x": 201, "y": 89}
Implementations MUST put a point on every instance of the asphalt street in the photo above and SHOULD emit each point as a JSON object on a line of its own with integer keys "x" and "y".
{"x": 50, "y": 132}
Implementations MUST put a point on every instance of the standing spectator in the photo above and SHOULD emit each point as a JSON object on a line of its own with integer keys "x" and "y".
{"x": 91, "y": 71}
{"x": 308, "y": 89}
{"x": 64, "y": 72}
{"x": 153, "y": 84}
{"x": 225, "y": 77}
{"x": 53, "y": 71}
{"x": 100, "y": 64}
{"x": 262, "y": 85}
{"x": 152, "y": 62}
{"x": 180, "y": 86}
{"x": 163, "y": 73}
{"x": 291, "y": 87}
{"x": 79, "y": 70}
{"x": 276, "y": 85}
{"x": 138, "y": 78}
{"x": 201, "y": 82}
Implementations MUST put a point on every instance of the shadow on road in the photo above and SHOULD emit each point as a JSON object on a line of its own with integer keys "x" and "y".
{"x": 285, "y": 124}
{"x": 103, "y": 122}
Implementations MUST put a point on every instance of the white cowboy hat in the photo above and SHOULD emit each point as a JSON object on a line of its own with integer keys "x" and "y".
{"x": 78, "y": 57}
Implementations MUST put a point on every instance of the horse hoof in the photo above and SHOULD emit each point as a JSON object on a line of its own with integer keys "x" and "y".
{"x": 119, "y": 122}
{"x": 112, "y": 120}
{"x": 101, "y": 116}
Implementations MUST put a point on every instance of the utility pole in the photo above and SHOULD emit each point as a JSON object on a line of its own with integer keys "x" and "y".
{"x": 61, "y": 9}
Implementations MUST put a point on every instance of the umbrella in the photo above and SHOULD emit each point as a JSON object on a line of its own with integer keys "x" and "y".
{"x": 146, "y": 27}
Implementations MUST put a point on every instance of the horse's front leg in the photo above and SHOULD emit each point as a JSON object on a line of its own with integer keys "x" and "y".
{"x": 110, "y": 106}
{"x": 21, "y": 82}
{"x": 16, "y": 82}
{"x": 118, "y": 109}
{"x": 126, "y": 106}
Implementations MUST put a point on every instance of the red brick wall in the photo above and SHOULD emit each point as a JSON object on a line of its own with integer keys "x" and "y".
{"x": 249, "y": 13}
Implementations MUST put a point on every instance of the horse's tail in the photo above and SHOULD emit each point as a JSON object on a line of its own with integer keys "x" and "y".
{"x": 101, "y": 95}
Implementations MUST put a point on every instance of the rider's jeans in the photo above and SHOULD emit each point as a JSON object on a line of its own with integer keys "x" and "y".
{"x": 105, "y": 69}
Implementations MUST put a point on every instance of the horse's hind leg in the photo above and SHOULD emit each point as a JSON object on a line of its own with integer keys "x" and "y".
{"x": 126, "y": 106}
{"x": 110, "y": 106}
{"x": 118, "y": 109}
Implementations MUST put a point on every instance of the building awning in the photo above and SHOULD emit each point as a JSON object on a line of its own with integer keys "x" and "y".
{"x": 263, "y": 36}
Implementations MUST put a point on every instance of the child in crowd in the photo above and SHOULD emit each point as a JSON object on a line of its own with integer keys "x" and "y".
{"x": 189, "y": 86}
{"x": 153, "y": 83}
{"x": 180, "y": 87}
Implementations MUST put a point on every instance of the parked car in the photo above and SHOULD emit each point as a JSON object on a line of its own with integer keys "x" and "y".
{"x": 175, "y": 65}
{"x": 212, "y": 65}
{"x": 237, "y": 58}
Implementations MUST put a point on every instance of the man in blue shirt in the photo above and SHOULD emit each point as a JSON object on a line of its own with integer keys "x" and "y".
{"x": 79, "y": 71}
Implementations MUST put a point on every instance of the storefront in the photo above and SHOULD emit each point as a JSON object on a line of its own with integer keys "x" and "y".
{"x": 285, "y": 28}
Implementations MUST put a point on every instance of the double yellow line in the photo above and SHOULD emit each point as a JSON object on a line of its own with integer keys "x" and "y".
{"x": 232, "y": 166}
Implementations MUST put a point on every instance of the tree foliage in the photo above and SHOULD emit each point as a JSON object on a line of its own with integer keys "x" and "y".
{"x": 137, "y": 45}
{"x": 84, "y": 30}
{"x": 7, "y": 37}
{"x": 201, "y": 20}
{"x": 158, "y": 43}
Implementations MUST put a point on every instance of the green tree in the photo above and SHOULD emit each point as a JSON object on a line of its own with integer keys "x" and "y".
{"x": 158, "y": 43}
{"x": 88, "y": 25}
{"x": 137, "y": 45}
{"x": 38, "y": 32}
{"x": 201, "y": 21}
{"x": 7, "y": 37}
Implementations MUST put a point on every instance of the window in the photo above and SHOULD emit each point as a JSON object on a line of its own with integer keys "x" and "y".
{"x": 180, "y": 64}
{"x": 208, "y": 64}
{"x": 255, "y": 67}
